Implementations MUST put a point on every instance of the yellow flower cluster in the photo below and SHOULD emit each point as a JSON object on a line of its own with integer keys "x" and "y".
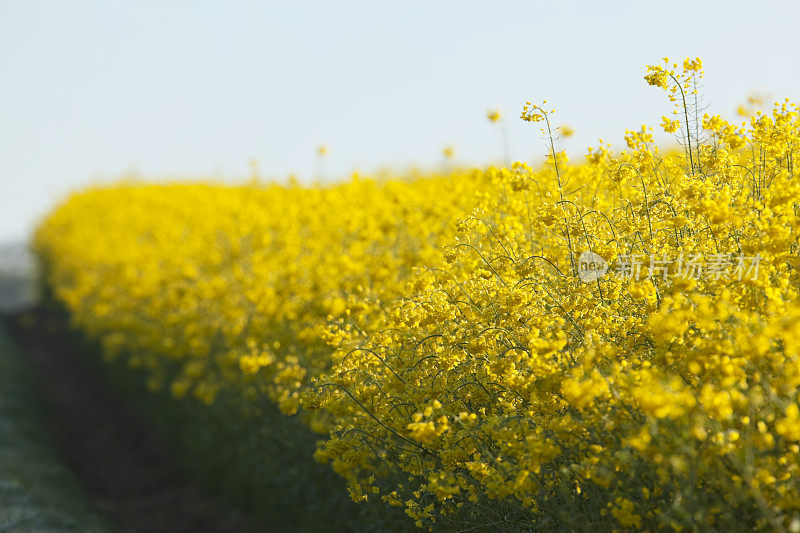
{"x": 653, "y": 400}
{"x": 212, "y": 287}
{"x": 610, "y": 344}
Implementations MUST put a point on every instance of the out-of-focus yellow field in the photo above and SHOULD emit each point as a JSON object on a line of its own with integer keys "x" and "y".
{"x": 605, "y": 343}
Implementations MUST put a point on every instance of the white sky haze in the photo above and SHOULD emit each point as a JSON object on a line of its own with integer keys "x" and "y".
{"x": 92, "y": 90}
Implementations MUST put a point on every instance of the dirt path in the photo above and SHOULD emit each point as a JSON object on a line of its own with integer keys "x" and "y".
{"x": 129, "y": 476}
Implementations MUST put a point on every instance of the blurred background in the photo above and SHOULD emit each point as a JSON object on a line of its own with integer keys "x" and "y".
{"x": 92, "y": 91}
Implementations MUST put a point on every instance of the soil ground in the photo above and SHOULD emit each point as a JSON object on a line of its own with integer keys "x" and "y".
{"x": 128, "y": 474}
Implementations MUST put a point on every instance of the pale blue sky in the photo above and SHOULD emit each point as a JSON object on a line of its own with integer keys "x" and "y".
{"x": 90, "y": 90}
